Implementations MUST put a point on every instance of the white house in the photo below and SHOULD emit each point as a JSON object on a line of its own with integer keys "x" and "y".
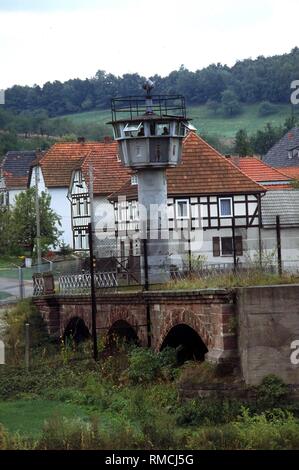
{"x": 54, "y": 172}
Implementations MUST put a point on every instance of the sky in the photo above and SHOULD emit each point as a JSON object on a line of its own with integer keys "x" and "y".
{"x": 47, "y": 40}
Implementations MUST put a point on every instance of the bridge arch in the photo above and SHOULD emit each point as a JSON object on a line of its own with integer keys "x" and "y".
{"x": 186, "y": 341}
{"x": 124, "y": 319}
{"x": 122, "y": 330}
{"x": 76, "y": 329}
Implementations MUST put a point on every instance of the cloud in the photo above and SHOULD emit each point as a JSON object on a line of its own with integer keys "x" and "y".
{"x": 138, "y": 36}
{"x": 47, "y": 5}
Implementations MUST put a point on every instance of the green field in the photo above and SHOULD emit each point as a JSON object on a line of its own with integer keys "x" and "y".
{"x": 28, "y": 416}
{"x": 206, "y": 121}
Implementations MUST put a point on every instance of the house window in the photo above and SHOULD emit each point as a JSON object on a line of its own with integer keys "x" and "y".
{"x": 225, "y": 207}
{"x": 224, "y": 246}
{"x": 182, "y": 208}
{"x": 81, "y": 239}
{"x": 227, "y": 246}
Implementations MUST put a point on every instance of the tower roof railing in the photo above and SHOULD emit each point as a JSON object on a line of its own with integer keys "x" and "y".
{"x": 132, "y": 107}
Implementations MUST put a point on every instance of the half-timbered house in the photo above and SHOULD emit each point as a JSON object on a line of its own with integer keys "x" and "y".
{"x": 214, "y": 209}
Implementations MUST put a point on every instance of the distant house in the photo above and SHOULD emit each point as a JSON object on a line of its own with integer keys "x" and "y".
{"x": 285, "y": 153}
{"x": 262, "y": 173}
{"x": 15, "y": 169}
{"x": 209, "y": 198}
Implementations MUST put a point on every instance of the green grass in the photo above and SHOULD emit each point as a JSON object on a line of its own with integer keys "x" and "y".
{"x": 4, "y": 295}
{"x": 9, "y": 261}
{"x": 28, "y": 416}
{"x": 204, "y": 120}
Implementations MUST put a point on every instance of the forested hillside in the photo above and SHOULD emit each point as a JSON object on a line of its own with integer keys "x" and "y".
{"x": 248, "y": 81}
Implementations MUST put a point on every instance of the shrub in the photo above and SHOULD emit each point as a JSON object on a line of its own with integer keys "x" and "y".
{"x": 266, "y": 109}
{"x": 271, "y": 392}
{"x": 146, "y": 366}
{"x": 15, "y": 319}
{"x": 264, "y": 431}
{"x": 206, "y": 412}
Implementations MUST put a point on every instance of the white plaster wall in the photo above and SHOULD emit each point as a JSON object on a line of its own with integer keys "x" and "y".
{"x": 12, "y": 193}
{"x": 289, "y": 246}
{"x": 104, "y": 214}
{"x": 62, "y": 206}
{"x": 41, "y": 183}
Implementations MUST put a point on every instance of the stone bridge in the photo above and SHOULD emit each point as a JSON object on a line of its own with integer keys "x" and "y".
{"x": 202, "y": 322}
{"x": 259, "y": 326}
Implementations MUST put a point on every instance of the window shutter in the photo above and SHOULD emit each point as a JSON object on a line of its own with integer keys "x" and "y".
{"x": 216, "y": 246}
{"x": 239, "y": 246}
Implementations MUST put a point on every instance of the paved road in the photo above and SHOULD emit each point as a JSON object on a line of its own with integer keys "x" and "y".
{"x": 11, "y": 288}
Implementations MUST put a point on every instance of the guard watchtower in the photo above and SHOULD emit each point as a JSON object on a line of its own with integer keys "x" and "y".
{"x": 150, "y": 132}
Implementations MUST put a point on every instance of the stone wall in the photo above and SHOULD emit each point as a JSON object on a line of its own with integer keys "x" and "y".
{"x": 268, "y": 324}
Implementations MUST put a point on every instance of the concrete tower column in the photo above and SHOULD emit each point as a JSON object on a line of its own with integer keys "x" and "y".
{"x": 153, "y": 216}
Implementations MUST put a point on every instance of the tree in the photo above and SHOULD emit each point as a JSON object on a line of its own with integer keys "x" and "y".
{"x": 230, "y": 103}
{"x": 213, "y": 105}
{"x": 264, "y": 139}
{"x": 242, "y": 143}
{"x": 266, "y": 109}
{"x": 23, "y": 221}
{"x": 5, "y": 231}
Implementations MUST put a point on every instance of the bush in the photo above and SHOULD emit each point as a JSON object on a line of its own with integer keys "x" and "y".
{"x": 278, "y": 430}
{"x": 15, "y": 319}
{"x": 206, "y": 412}
{"x": 266, "y": 109}
{"x": 271, "y": 392}
{"x": 146, "y": 366}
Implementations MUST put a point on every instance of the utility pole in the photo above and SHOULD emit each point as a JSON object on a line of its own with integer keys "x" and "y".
{"x": 92, "y": 262}
{"x": 93, "y": 294}
{"x": 38, "y": 246}
{"x": 278, "y": 242}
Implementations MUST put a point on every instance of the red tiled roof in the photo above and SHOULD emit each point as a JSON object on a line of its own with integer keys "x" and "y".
{"x": 109, "y": 173}
{"x": 203, "y": 171}
{"x": 61, "y": 159}
{"x": 15, "y": 182}
{"x": 291, "y": 171}
{"x": 258, "y": 170}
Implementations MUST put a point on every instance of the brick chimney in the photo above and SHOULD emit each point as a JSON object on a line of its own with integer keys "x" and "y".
{"x": 107, "y": 139}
